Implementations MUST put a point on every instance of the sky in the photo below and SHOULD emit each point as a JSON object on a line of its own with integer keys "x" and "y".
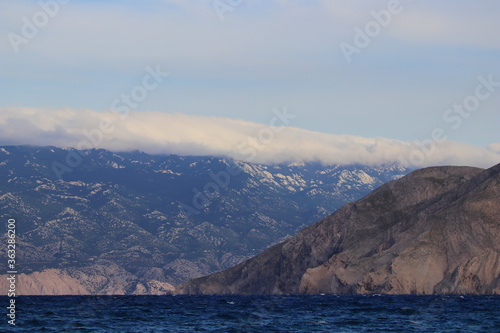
{"x": 365, "y": 81}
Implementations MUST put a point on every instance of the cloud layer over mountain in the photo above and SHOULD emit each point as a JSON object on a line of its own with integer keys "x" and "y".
{"x": 162, "y": 133}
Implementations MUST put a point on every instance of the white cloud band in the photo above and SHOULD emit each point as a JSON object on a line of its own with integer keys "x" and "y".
{"x": 167, "y": 133}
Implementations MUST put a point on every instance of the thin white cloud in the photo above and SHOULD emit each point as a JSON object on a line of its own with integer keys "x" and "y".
{"x": 189, "y": 32}
{"x": 162, "y": 133}
{"x": 453, "y": 24}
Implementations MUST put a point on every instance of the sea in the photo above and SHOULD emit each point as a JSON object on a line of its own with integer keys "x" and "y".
{"x": 319, "y": 313}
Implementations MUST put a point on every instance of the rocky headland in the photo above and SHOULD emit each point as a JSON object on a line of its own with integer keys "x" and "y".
{"x": 436, "y": 230}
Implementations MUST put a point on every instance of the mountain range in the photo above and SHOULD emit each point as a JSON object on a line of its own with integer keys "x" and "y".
{"x": 102, "y": 222}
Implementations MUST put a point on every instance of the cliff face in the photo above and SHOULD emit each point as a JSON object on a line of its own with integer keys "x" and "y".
{"x": 436, "y": 230}
{"x": 92, "y": 280}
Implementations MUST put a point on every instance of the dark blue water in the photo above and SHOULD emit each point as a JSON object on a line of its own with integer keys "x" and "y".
{"x": 255, "y": 314}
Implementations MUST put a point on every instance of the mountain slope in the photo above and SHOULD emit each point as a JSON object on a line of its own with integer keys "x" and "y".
{"x": 162, "y": 218}
{"x": 436, "y": 230}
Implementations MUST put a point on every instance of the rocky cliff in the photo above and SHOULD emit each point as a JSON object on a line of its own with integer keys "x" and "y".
{"x": 98, "y": 279}
{"x": 436, "y": 230}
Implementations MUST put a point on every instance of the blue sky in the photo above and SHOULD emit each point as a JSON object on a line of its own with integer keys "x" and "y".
{"x": 264, "y": 55}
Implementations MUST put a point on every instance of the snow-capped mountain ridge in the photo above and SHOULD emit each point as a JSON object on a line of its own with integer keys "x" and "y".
{"x": 103, "y": 214}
